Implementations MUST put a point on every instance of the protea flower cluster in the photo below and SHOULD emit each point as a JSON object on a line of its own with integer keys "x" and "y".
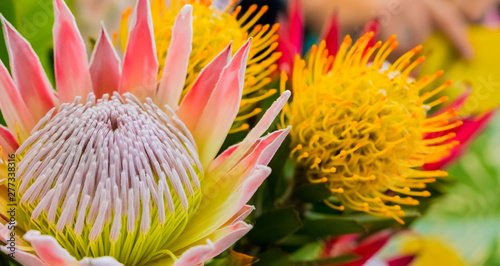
{"x": 121, "y": 162}
{"x": 111, "y": 168}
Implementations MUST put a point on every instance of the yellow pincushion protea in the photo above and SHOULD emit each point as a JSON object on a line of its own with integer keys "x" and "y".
{"x": 363, "y": 130}
{"x": 214, "y": 26}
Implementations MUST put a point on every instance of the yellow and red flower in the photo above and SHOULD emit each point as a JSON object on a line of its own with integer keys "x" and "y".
{"x": 362, "y": 128}
{"x": 329, "y": 126}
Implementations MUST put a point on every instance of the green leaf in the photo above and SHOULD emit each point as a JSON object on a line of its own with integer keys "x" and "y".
{"x": 275, "y": 225}
{"x": 234, "y": 259}
{"x": 343, "y": 259}
{"x": 374, "y": 223}
{"x": 323, "y": 225}
{"x": 8, "y": 10}
{"x": 7, "y": 261}
{"x": 279, "y": 182}
{"x": 313, "y": 192}
{"x": 309, "y": 251}
{"x": 296, "y": 240}
{"x": 274, "y": 257}
{"x": 2, "y": 120}
{"x": 34, "y": 20}
{"x": 282, "y": 172}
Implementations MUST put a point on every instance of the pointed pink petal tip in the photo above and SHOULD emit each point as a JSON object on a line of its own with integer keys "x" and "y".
{"x": 14, "y": 110}
{"x": 215, "y": 122}
{"x": 271, "y": 144}
{"x": 176, "y": 63}
{"x": 223, "y": 239}
{"x": 8, "y": 142}
{"x": 264, "y": 150}
{"x": 70, "y": 56}
{"x": 241, "y": 215}
{"x": 238, "y": 152}
{"x": 186, "y": 10}
{"x": 36, "y": 91}
{"x": 266, "y": 121}
{"x": 140, "y": 64}
{"x": 24, "y": 258}
{"x": 48, "y": 250}
{"x": 51, "y": 253}
{"x": 195, "y": 101}
{"x": 105, "y": 69}
{"x": 250, "y": 185}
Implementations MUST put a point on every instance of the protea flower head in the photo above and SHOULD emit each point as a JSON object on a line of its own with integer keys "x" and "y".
{"x": 215, "y": 24}
{"x": 291, "y": 39}
{"x": 363, "y": 130}
{"x": 110, "y": 168}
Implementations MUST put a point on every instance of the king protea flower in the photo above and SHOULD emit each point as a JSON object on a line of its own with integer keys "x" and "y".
{"x": 111, "y": 169}
{"x": 363, "y": 130}
{"x": 215, "y": 24}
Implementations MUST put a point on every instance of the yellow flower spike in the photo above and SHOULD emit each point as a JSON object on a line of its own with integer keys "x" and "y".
{"x": 362, "y": 130}
{"x": 213, "y": 31}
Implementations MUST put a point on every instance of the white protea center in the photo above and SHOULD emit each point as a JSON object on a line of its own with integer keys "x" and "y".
{"x": 112, "y": 177}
